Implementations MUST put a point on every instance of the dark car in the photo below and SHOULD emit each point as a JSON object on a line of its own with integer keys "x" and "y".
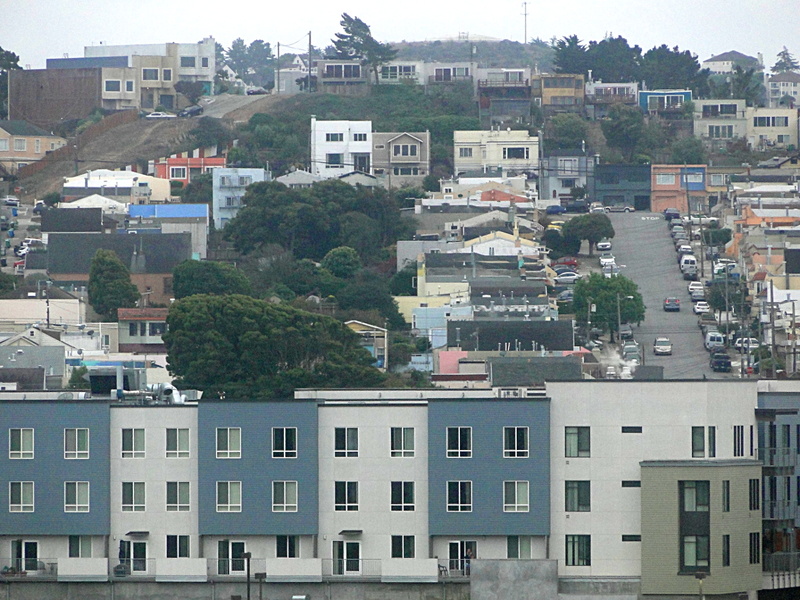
{"x": 191, "y": 111}
{"x": 625, "y": 331}
{"x": 672, "y": 304}
{"x": 555, "y": 209}
{"x": 671, "y": 213}
{"x": 720, "y": 362}
{"x": 577, "y": 206}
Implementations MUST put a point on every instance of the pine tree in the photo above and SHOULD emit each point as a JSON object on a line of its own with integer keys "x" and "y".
{"x": 356, "y": 42}
{"x": 786, "y": 62}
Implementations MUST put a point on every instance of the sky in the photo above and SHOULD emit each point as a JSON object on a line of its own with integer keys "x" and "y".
{"x": 41, "y": 29}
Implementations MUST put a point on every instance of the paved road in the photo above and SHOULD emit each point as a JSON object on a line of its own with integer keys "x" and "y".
{"x": 643, "y": 245}
{"x": 221, "y": 105}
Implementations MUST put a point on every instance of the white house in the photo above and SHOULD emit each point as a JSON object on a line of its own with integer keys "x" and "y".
{"x": 339, "y": 147}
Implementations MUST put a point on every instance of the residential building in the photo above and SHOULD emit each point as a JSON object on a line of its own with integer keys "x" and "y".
{"x": 127, "y": 187}
{"x": 784, "y": 90}
{"x": 22, "y": 143}
{"x": 663, "y": 101}
{"x": 504, "y": 97}
{"x": 374, "y": 340}
{"x": 439, "y": 73}
{"x": 339, "y": 147}
{"x": 563, "y": 171}
{"x": 172, "y": 218}
{"x": 229, "y": 187}
{"x": 119, "y": 78}
{"x": 718, "y": 122}
{"x": 771, "y": 127}
{"x": 401, "y": 159}
{"x": 341, "y": 76}
{"x": 184, "y": 166}
{"x": 558, "y": 92}
{"x": 298, "y": 179}
{"x": 601, "y": 96}
{"x": 678, "y": 186}
{"x": 511, "y": 151}
{"x": 724, "y": 64}
{"x": 626, "y": 185}
{"x": 294, "y": 79}
{"x": 140, "y": 330}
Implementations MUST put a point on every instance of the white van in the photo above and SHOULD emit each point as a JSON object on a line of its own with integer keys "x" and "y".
{"x": 688, "y": 260}
{"x": 714, "y": 339}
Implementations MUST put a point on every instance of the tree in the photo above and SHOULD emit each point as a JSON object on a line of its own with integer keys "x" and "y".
{"x": 670, "y": 69}
{"x": 604, "y": 293}
{"x": 199, "y": 190}
{"x": 566, "y": 131}
{"x": 261, "y": 63}
{"x": 78, "y": 380}
{"x": 356, "y": 41}
{"x": 569, "y": 55}
{"x": 746, "y": 83}
{"x": 342, "y": 262}
{"x": 560, "y": 244}
{"x": 623, "y": 129}
{"x": 50, "y": 199}
{"x": 786, "y": 62}
{"x": 237, "y": 58}
{"x": 613, "y": 59}
{"x": 593, "y": 228}
{"x": 716, "y": 237}
{"x": 210, "y": 132}
{"x": 110, "y": 285}
{"x": 8, "y": 62}
{"x": 8, "y": 283}
{"x": 241, "y": 347}
{"x": 193, "y": 90}
{"x": 208, "y": 277}
{"x": 688, "y": 150}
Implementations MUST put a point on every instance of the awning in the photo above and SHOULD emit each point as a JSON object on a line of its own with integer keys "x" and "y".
{"x": 351, "y": 532}
{"x": 137, "y": 534}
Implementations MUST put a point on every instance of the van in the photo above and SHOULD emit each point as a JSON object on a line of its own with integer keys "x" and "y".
{"x": 714, "y": 339}
{"x": 688, "y": 260}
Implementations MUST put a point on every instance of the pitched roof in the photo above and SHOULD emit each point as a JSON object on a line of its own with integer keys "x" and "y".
{"x": 788, "y": 77}
{"x": 733, "y": 56}
{"x": 24, "y": 128}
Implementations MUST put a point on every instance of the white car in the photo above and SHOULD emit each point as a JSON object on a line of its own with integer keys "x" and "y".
{"x": 607, "y": 259}
{"x": 701, "y": 307}
{"x": 11, "y": 201}
{"x": 662, "y": 345}
{"x": 746, "y": 343}
{"x": 160, "y": 115}
{"x": 568, "y": 277}
{"x": 695, "y": 285}
{"x": 604, "y": 246}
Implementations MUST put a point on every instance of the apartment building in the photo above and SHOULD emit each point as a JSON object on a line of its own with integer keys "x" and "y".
{"x": 340, "y": 147}
{"x": 511, "y": 151}
{"x": 229, "y": 186}
{"x": 771, "y": 127}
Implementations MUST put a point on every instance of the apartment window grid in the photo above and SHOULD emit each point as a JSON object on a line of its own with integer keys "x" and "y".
{"x": 178, "y": 496}
{"x": 177, "y": 546}
{"x": 229, "y": 442}
{"x": 402, "y": 496}
{"x": 404, "y": 149}
{"x": 738, "y": 440}
{"x": 755, "y": 548}
{"x": 284, "y": 496}
{"x": 695, "y": 496}
{"x": 177, "y": 443}
{"x": 345, "y": 442}
{"x": 516, "y": 496}
{"x": 695, "y": 551}
{"x": 287, "y": 546}
{"x": 459, "y": 496}
{"x": 133, "y": 443}
{"x": 726, "y": 495}
{"x": 755, "y": 494}
{"x": 21, "y": 496}
{"x": 577, "y": 496}
{"x": 334, "y": 137}
{"x": 403, "y": 546}
{"x": 515, "y": 442}
{"x": 577, "y": 442}
{"x": 402, "y": 442}
{"x": 465, "y": 152}
{"x": 177, "y": 172}
{"x": 579, "y": 550}
{"x": 133, "y": 496}
{"x": 20, "y": 145}
{"x": 345, "y": 496}
{"x": 20, "y": 443}
{"x": 76, "y": 496}
{"x": 518, "y": 546}
{"x": 284, "y": 442}
{"x": 359, "y": 137}
{"x": 698, "y": 442}
{"x": 229, "y": 496}
{"x": 459, "y": 442}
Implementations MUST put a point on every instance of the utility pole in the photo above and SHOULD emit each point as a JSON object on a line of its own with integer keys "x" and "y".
{"x": 772, "y": 327}
{"x": 308, "y": 76}
{"x": 794, "y": 341}
{"x": 278, "y": 71}
{"x": 525, "y": 13}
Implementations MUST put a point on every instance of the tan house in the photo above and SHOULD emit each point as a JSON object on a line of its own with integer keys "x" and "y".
{"x": 22, "y": 143}
{"x": 401, "y": 159}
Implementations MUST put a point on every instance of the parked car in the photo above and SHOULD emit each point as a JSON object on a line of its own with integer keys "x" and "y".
{"x": 701, "y": 307}
{"x": 625, "y": 331}
{"x": 690, "y": 275}
{"x": 559, "y": 269}
{"x": 191, "y": 111}
{"x": 568, "y": 277}
{"x": 619, "y": 208}
{"x": 569, "y": 261}
{"x": 565, "y": 296}
{"x": 11, "y": 201}
{"x": 160, "y": 115}
{"x": 671, "y": 213}
{"x": 677, "y": 229}
{"x": 256, "y": 91}
{"x": 672, "y": 304}
{"x": 746, "y": 344}
{"x": 714, "y": 340}
{"x": 695, "y": 285}
{"x": 606, "y": 258}
{"x": 555, "y": 209}
{"x": 662, "y": 345}
{"x": 698, "y": 295}
{"x": 577, "y": 206}
{"x": 720, "y": 362}
{"x": 603, "y": 246}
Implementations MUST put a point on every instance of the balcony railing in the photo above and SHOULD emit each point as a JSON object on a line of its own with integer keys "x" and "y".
{"x": 610, "y": 99}
{"x": 38, "y": 568}
{"x": 495, "y": 83}
{"x": 361, "y": 568}
{"x": 777, "y": 457}
{"x": 781, "y": 569}
{"x": 231, "y": 568}
{"x": 448, "y": 79}
{"x": 783, "y": 510}
{"x": 133, "y": 567}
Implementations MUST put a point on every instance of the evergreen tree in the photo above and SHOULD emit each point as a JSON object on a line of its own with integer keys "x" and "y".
{"x": 110, "y": 285}
{"x": 8, "y": 61}
{"x": 356, "y": 41}
{"x": 786, "y": 62}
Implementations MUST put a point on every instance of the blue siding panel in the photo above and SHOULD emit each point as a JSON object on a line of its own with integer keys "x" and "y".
{"x": 487, "y": 469}
{"x": 256, "y": 469}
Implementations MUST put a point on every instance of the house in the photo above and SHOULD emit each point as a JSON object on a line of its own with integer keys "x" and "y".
{"x": 183, "y": 166}
{"x": 563, "y": 171}
{"x": 338, "y": 147}
{"x": 784, "y": 90}
{"x": 717, "y": 122}
{"x": 173, "y": 218}
{"x": 341, "y": 76}
{"x": 724, "y": 64}
{"x": 140, "y": 330}
{"x": 359, "y": 178}
{"x": 107, "y": 205}
{"x": 76, "y": 220}
{"x": 123, "y": 186}
{"x": 681, "y": 187}
{"x": 299, "y": 178}
{"x": 22, "y": 143}
{"x": 229, "y": 187}
{"x": 293, "y": 79}
{"x": 626, "y": 185}
{"x": 504, "y": 97}
{"x": 663, "y": 101}
{"x": 771, "y": 127}
{"x": 559, "y": 92}
{"x": 512, "y": 151}
{"x": 374, "y": 340}
{"x": 401, "y": 159}
{"x": 403, "y": 72}
{"x": 601, "y": 96}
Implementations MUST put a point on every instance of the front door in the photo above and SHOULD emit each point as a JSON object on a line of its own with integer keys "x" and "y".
{"x": 133, "y": 555}
{"x": 230, "y": 557}
{"x": 346, "y": 558}
{"x": 460, "y": 553}
{"x": 26, "y": 555}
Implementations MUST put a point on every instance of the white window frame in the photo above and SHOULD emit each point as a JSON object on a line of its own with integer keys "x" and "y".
{"x": 461, "y": 449}
{"x": 180, "y": 445}
{"x": 84, "y": 546}
{"x": 284, "y": 496}
{"x": 136, "y": 491}
{"x": 287, "y": 546}
{"x": 345, "y": 496}
{"x": 181, "y": 550}
{"x": 349, "y": 447}
{"x": 25, "y": 488}
{"x": 281, "y": 443}
{"x": 107, "y": 81}
{"x": 516, "y": 496}
{"x": 26, "y": 440}
{"x": 145, "y": 69}
{"x": 400, "y": 504}
{"x": 401, "y": 442}
{"x": 137, "y": 440}
{"x": 177, "y": 172}
{"x": 20, "y": 145}
{"x": 232, "y": 496}
{"x": 79, "y": 502}
{"x": 178, "y": 496}
{"x": 78, "y": 437}
{"x": 334, "y": 165}
{"x": 230, "y": 450}
{"x": 511, "y": 447}
{"x": 403, "y": 546}
{"x": 37, "y": 146}
{"x": 665, "y": 178}
{"x": 462, "y": 500}
{"x": 334, "y": 137}
{"x": 3, "y": 145}
{"x": 359, "y": 137}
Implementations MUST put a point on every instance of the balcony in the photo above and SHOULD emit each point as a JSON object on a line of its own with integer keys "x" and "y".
{"x": 610, "y": 99}
{"x": 782, "y": 458}
{"x": 28, "y": 569}
{"x": 780, "y": 510}
{"x": 351, "y": 568}
{"x": 454, "y": 568}
{"x": 781, "y": 570}
{"x": 499, "y": 83}
{"x": 433, "y": 79}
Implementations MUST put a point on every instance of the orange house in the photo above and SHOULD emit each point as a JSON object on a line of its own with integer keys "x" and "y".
{"x": 678, "y": 186}
{"x": 186, "y": 165}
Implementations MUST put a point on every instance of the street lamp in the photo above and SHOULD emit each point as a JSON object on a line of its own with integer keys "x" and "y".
{"x": 246, "y": 556}
{"x": 619, "y": 314}
{"x": 700, "y": 576}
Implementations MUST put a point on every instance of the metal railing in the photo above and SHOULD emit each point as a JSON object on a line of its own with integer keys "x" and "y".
{"x": 777, "y": 457}
{"x": 454, "y": 568}
{"x": 782, "y": 510}
{"x": 364, "y": 568}
{"x": 503, "y": 83}
{"x": 610, "y": 98}
{"x": 132, "y": 567}
{"x": 449, "y": 79}
{"x": 234, "y": 567}
{"x": 40, "y": 568}
{"x": 783, "y": 569}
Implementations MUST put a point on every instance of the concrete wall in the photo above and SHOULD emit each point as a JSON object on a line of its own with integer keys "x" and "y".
{"x": 514, "y": 579}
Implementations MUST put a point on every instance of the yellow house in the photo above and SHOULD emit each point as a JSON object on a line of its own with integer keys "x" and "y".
{"x": 22, "y": 143}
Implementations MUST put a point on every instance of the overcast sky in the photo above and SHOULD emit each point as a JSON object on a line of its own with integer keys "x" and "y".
{"x": 41, "y": 29}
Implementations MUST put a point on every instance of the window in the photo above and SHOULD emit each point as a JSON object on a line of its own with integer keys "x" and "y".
{"x": 188, "y": 62}
{"x": 229, "y": 442}
{"x": 334, "y": 137}
{"x": 402, "y": 495}
{"x": 345, "y": 442}
{"x": 631, "y": 538}
{"x": 402, "y": 546}
{"x": 133, "y": 329}
{"x": 204, "y": 62}
{"x": 698, "y": 442}
{"x": 405, "y": 149}
{"x": 738, "y": 440}
{"x": 755, "y": 548}
{"x": 178, "y": 496}
{"x": 770, "y": 121}
{"x": 80, "y": 546}
{"x": 465, "y": 152}
{"x": 245, "y": 180}
{"x": 20, "y": 496}
{"x": 515, "y": 153}
{"x": 359, "y": 137}
{"x": 113, "y": 85}
{"x": 695, "y": 496}
{"x": 177, "y": 172}
{"x": 3, "y": 145}
{"x": 632, "y": 484}
{"x": 518, "y": 546}
{"x": 693, "y": 177}
{"x": 576, "y": 442}
{"x": 166, "y": 74}
{"x": 149, "y": 74}
{"x": 726, "y": 551}
{"x": 665, "y": 178}
{"x": 631, "y": 429}
{"x": 20, "y": 144}
{"x": 177, "y": 443}
{"x": 720, "y": 131}
{"x": 129, "y": 86}
{"x": 515, "y": 496}
{"x": 406, "y": 171}
{"x": 695, "y": 551}
{"x": 459, "y": 496}
{"x": 755, "y": 494}
{"x": 402, "y": 442}
{"x": 177, "y": 546}
{"x": 712, "y": 441}
{"x": 229, "y": 496}
{"x": 577, "y": 495}
{"x": 568, "y": 166}
{"x": 515, "y": 442}
{"x": 284, "y": 496}
{"x": 20, "y": 443}
{"x": 334, "y": 160}
{"x": 345, "y": 496}
{"x": 76, "y": 496}
{"x": 284, "y": 442}
{"x": 133, "y": 496}
{"x": 133, "y": 443}
{"x": 459, "y": 442}
{"x": 287, "y": 546}
{"x": 579, "y": 550}
{"x": 726, "y": 496}
{"x": 717, "y": 179}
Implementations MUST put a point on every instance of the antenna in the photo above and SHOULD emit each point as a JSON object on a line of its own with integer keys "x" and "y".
{"x": 525, "y": 15}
